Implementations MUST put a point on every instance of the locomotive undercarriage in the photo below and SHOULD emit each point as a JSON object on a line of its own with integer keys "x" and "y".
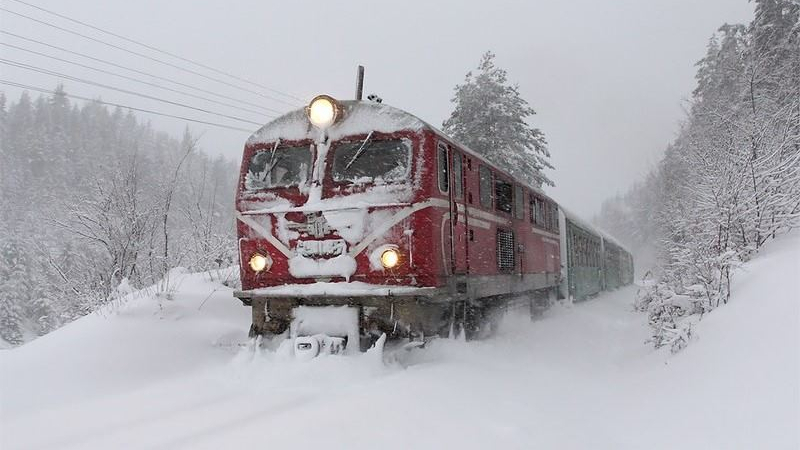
{"x": 415, "y": 319}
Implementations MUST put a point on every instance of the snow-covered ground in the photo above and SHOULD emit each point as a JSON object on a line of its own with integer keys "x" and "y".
{"x": 169, "y": 374}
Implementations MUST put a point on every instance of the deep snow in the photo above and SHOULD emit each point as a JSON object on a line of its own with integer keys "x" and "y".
{"x": 170, "y": 374}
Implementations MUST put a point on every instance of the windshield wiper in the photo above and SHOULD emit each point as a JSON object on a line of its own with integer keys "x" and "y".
{"x": 272, "y": 160}
{"x": 360, "y": 150}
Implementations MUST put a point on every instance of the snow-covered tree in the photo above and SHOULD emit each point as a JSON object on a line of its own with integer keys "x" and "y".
{"x": 90, "y": 197}
{"x": 731, "y": 179}
{"x": 490, "y": 117}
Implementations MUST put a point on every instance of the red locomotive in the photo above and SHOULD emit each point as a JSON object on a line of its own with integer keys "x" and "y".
{"x": 358, "y": 220}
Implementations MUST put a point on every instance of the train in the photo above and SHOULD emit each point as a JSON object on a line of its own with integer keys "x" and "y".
{"x": 359, "y": 222}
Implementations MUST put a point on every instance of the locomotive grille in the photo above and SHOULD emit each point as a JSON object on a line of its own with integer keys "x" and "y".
{"x": 505, "y": 250}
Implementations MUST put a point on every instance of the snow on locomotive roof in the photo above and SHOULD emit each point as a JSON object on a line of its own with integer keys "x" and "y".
{"x": 360, "y": 117}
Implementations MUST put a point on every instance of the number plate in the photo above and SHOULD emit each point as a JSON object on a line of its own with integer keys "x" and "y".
{"x": 329, "y": 247}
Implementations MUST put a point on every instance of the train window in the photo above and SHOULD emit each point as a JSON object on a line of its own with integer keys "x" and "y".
{"x": 503, "y": 194}
{"x": 458, "y": 176}
{"x": 537, "y": 211}
{"x": 505, "y": 250}
{"x": 486, "y": 187}
{"x": 519, "y": 202}
{"x": 444, "y": 169}
{"x": 278, "y": 167}
{"x": 362, "y": 161}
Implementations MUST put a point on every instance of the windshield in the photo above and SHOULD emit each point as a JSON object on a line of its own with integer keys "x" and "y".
{"x": 376, "y": 160}
{"x": 288, "y": 166}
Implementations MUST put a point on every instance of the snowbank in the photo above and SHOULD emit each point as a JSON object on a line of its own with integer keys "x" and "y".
{"x": 168, "y": 374}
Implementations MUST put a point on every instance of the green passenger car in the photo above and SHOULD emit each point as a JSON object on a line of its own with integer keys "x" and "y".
{"x": 594, "y": 262}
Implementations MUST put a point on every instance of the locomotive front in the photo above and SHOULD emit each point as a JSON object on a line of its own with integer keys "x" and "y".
{"x": 331, "y": 223}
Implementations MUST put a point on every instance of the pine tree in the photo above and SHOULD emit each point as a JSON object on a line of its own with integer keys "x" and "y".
{"x": 490, "y": 118}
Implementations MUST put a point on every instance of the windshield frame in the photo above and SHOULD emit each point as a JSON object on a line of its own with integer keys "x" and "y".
{"x": 358, "y": 141}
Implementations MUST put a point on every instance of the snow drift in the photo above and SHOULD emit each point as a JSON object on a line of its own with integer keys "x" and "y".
{"x": 156, "y": 373}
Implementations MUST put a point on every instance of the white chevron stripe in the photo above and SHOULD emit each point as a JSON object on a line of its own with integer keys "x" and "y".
{"x": 255, "y": 226}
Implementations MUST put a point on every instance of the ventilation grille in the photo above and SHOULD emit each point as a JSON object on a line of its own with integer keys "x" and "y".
{"x": 505, "y": 250}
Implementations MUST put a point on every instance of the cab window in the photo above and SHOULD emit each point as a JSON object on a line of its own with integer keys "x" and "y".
{"x": 278, "y": 167}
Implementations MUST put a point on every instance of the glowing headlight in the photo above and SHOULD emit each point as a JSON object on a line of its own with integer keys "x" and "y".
{"x": 259, "y": 262}
{"x": 390, "y": 258}
{"x": 322, "y": 111}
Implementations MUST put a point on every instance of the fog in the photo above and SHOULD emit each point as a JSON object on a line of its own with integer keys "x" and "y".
{"x": 609, "y": 80}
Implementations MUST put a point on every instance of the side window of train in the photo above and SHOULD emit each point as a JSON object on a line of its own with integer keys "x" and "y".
{"x": 458, "y": 175}
{"x": 537, "y": 211}
{"x": 444, "y": 169}
{"x": 519, "y": 202}
{"x": 486, "y": 187}
{"x": 503, "y": 195}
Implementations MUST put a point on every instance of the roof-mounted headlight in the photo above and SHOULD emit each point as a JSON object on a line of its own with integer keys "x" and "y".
{"x": 323, "y": 111}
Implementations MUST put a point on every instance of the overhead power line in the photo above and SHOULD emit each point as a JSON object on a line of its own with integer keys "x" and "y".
{"x": 132, "y": 79}
{"x": 142, "y": 55}
{"x": 119, "y": 105}
{"x": 164, "y": 52}
{"x": 113, "y": 64}
{"x": 124, "y": 91}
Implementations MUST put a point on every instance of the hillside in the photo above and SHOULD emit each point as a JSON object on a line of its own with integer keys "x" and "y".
{"x": 170, "y": 374}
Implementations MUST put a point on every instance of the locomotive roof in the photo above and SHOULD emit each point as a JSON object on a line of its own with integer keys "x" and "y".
{"x": 360, "y": 117}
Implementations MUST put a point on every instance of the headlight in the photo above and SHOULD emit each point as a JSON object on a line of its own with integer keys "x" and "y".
{"x": 390, "y": 258}
{"x": 259, "y": 262}
{"x": 322, "y": 111}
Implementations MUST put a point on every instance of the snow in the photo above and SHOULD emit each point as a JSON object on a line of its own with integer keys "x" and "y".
{"x": 340, "y": 266}
{"x": 338, "y": 321}
{"x": 348, "y": 223}
{"x": 375, "y": 196}
{"x": 339, "y": 289}
{"x": 155, "y": 373}
{"x": 360, "y": 117}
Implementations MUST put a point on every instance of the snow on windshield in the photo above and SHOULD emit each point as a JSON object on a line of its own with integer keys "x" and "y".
{"x": 279, "y": 167}
{"x": 364, "y": 161}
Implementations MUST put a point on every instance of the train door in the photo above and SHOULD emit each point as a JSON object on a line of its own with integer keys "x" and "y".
{"x": 458, "y": 211}
{"x": 451, "y": 184}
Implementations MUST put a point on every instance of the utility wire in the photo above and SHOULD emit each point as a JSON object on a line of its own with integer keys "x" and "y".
{"x": 83, "y": 55}
{"x": 133, "y": 41}
{"x": 142, "y": 55}
{"x": 132, "y": 79}
{"x": 124, "y": 91}
{"x": 119, "y": 105}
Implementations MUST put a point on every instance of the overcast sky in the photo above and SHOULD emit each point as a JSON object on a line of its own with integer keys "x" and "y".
{"x": 608, "y": 79}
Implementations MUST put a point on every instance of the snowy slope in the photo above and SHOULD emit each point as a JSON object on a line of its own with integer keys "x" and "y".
{"x": 167, "y": 374}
